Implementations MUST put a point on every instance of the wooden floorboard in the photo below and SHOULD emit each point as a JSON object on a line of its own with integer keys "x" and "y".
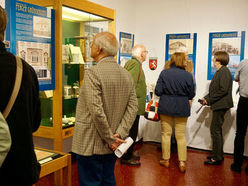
{"x": 150, "y": 173}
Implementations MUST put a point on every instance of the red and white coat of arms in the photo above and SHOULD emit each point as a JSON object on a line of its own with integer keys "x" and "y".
{"x": 153, "y": 63}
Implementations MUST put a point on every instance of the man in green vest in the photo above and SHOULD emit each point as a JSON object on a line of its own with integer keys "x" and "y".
{"x": 134, "y": 66}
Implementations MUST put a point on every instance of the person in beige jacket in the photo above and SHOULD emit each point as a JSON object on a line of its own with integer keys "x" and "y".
{"x": 105, "y": 112}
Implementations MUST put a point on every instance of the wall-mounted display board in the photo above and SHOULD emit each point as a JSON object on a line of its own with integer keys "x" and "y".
{"x": 126, "y": 44}
{"x": 30, "y": 32}
{"x": 231, "y": 42}
{"x": 175, "y": 41}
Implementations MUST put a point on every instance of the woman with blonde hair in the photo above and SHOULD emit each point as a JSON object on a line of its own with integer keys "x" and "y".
{"x": 175, "y": 86}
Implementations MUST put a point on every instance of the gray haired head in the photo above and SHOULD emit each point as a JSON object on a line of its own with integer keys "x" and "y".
{"x": 107, "y": 42}
{"x": 137, "y": 50}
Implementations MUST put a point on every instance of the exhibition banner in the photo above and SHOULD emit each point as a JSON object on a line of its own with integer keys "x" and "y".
{"x": 126, "y": 41}
{"x": 231, "y": 42}
{"x": 31, "y": 36}
{"x": 175, "y": 41}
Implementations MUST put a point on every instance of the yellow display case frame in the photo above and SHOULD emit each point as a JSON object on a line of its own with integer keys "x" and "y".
{"x": 59, "y": 167}
{"x": 56, "y": 133}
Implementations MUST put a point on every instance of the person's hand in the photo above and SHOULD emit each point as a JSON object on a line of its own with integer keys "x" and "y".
{"x": 190, "y": 103}
{"x": 117, "y": 136}
{"x": 117, "y": 142}
{"x": 204, "y": 101}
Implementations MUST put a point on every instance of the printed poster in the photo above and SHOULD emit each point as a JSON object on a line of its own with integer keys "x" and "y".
{"x": 126, "y": 44}
{"x": 231, "y": 42}
{"x": 32, "y": 38}
{"x": 175, "y": 41}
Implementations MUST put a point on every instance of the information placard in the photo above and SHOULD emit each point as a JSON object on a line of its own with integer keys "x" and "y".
{"x": 231, "y": 42}
{"x": 31, "y": 36}
{"x": 126, "y": 44}
{"x": 175, "y": 41}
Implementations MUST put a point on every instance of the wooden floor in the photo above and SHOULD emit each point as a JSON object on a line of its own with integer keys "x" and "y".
{"x": 150, "y": 173}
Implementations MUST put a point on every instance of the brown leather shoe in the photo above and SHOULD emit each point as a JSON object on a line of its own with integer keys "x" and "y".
{"x": 136, "y": 157}
{"x": 211, "y": 157}
{"x": 213, "y": 162}
{"x": 246, "y": 169}
{"x": 131, "y": 162}
{"x": 182, "y": 166}
{"x": 165, "y": 163}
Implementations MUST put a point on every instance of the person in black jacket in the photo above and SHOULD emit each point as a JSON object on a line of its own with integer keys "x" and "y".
{"x": 220, "y": 100}
{"x": 21, "y": 165}
{"x": 176, "y": 88}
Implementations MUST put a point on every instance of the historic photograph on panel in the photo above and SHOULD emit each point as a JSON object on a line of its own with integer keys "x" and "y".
{"x": 126, "y": 46}
{"x": 38, "y": 55}
{"x": 41, "y": 27}
{"x": 231, "y": 46}
{"x": 174, "y": 44}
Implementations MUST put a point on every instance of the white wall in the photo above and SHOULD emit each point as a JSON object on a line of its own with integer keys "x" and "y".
{"x": 150, "y": 21}
{"x": 125, "y": 14}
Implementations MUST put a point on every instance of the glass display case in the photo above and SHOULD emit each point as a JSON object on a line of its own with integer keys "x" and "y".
{"x": 78, "y": 30}
{"x": 46, "y": 99}
{"x": 76, "y": 23}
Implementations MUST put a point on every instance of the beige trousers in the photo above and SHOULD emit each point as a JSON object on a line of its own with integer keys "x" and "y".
{"x": 167, "y": 122}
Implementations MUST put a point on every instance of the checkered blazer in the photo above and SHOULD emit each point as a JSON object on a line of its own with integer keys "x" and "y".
{"x": 107, "y": 105}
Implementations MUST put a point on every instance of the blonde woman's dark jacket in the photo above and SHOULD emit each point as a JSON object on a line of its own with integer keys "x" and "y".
{"x": 220, "y": 90}
{"x": 134, "y": 67}
{"x": 175, "y": 86}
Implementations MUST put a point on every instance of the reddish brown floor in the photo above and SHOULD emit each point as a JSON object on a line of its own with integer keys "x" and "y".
{"x": 150, "y": 173}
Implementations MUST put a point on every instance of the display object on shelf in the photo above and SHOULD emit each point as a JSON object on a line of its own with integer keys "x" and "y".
{"x": 76, "y": 89}
{"x": 76, "y": 55}
{"x": 68, "y": 121}
{"x": 65, "y": 53}
{"x": 67, "y": 91}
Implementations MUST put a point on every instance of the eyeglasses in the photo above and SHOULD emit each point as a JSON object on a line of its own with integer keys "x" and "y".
{"x": 146, "y": 51}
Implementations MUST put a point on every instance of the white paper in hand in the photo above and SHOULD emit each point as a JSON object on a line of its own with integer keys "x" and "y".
{"x": 198, "y": 110}
{"x": 123, "y": 147}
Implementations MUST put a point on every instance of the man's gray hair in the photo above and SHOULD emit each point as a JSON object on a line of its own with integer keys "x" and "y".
{"x": 107, "y": 42}
{"x": 137, "y": 50}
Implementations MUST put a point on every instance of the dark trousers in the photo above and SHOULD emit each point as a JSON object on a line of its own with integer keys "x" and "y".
{"x": 216, "y": 133}
{"x": 133, "y": 134}
{"x": 241, "y": 128}
{"x": 96, "y": 170}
